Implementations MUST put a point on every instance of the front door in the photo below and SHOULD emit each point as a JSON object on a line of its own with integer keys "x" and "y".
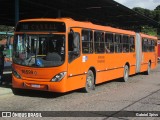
{"x": 74, "y": 57}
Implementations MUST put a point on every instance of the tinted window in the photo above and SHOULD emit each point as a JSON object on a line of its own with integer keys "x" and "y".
{"x": 73, "y": 46}
{"x": 87, "y": 41}
{"x": 118, "y": 43}
{"x": 109, "y": 43}
{"x": 99, "y": 42}
{"x": 144, "y": 45}
{"x": 132, "y": 44}
{"x": 125, "y": 43}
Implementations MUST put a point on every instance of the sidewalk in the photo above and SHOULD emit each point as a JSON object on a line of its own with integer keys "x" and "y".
{"x": 5, "y": 90}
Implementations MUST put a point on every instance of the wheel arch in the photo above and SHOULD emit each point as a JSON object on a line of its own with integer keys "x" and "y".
{"x": 150, "y": 62}
{"x": 127, "y": 63}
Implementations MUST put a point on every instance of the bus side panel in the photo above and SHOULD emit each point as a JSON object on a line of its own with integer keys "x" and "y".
{"x": 128, "y": 58}
{"x": 147, "y": 57}
{"x": 132, "y": 70}
{"x": 75, "y": 82}
{"x": 96, "y": 62}
{"x": 107, "y": 66}
{"x": 114, "y": 66}
{"x": 109, "y": 75}
{"x": 153, "y": 58}
{"x": 118, "y": 61}
{"x": 144, "y": 62}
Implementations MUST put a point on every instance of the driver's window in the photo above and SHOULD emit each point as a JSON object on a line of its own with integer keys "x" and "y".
{"x": 73, "y": 46}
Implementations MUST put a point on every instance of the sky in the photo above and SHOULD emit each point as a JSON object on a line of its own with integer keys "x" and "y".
{"x": 147, "y": 4}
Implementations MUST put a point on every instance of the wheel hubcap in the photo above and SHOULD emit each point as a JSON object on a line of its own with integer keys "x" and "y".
{"x": 126, "y": 74}
{"x": 89, "y": 81}
{"x": 148, "y": 68}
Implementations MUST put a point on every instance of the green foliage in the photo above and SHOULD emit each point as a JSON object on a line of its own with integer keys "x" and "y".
{"x": 157, "y": 8}
{"x": 145, "y": 12}
{"x": 153, "y": 14}
{"x": 149, "y": 30}
{"x": 157, "y": 15}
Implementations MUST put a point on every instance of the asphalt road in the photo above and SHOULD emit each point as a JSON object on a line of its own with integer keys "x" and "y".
{"x": 111, "y": 100}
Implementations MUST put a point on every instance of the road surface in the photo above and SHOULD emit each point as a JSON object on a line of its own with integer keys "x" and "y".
{"x": 110, "y": 100}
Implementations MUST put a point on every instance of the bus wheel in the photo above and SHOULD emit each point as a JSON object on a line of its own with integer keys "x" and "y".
{"x": 148, "y": 69}
{"x": 125, "y": 74}
{"x": 89, "y": 82}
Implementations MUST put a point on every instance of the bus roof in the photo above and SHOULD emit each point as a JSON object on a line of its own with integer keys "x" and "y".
{"x": 83, "y": 24}
{"x": 88, "y": 25}
{"x": 148, "y": 36}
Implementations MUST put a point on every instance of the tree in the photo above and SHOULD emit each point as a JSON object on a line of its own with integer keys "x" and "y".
{"x": 145, "y": 12}
{"x": 153, "y": 14}
{"x": 139, "y": 10}
{"x": 157, "y": 13}
{"x": 157, "y": 8}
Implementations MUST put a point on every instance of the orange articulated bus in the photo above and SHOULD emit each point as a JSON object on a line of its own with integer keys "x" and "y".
{"x": 61, "y": 54}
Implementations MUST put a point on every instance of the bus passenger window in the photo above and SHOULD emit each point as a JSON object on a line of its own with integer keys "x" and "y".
{"x": 150, "y": 45}
{"x": 132, "y": 44}
{"x": 153, "y": 45}
{"x": 99, "y": 42}
{"x": 107, "y": 49}
{"x": 109, "y": 43}
{"x": 126, "y": 44}
{"x": 118, "y": 44}
{"x": 144, "y": 45}
{"x": 87, "y": 41}
{"x": 73, "y": 46}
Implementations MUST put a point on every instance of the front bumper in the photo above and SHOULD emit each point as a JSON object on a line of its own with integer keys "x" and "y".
{"x": 38, "y": 85}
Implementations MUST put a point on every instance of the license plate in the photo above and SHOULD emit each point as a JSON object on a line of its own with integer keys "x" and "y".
{"x": 35, "y": 86}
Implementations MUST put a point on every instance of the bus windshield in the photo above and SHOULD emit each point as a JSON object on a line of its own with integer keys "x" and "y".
{"x": 39, "y": 50}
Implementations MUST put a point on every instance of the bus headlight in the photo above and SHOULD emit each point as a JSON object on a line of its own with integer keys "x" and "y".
{"x": 58, "y": 77}
{"x": 16, "y": 74}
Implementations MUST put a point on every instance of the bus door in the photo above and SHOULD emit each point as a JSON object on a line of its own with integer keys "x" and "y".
{"x": 138, "y": 52}
{"x": 74, "y": 57}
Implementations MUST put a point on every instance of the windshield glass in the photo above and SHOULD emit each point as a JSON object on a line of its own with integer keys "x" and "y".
{"x": 39, "y": 50}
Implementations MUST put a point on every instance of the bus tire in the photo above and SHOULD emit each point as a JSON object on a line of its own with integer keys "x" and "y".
{"x": 125, "y": 74}
{"x": 148, "y": 69}
{"x": 90, "y": 84}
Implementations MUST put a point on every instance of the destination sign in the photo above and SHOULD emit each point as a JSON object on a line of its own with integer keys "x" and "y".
{"x": 41, "y": 26}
